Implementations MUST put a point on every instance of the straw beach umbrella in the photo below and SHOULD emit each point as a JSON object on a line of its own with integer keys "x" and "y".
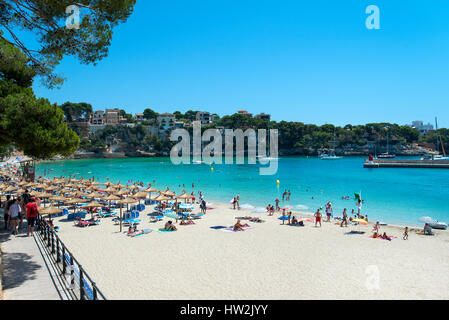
{"x": 95, "y": 195}
{"x": 184, "y": 196}
{"x": 109, "y": 190}
{"x": 151, "y": 189}
{"x": 139, "y": 195}
{"x": 111, "y": 198}
{"x": 161, "y": 197}
{"x": 49, "y": 210}
{"x": 10, "y": 189}
{"x": 168, "y": 193}
{"x": 93, "y": 204}
{"x": 122, "y": 192}
{"x": 125, "y": 201}
{"x": 75, "y": 201}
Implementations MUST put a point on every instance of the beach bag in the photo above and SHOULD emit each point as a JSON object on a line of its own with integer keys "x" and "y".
{"x": 301, "y": 223}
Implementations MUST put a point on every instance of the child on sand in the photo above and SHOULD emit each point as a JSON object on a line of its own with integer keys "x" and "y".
{"x": 405, "y": 237}
{"x": 318, "y": 217}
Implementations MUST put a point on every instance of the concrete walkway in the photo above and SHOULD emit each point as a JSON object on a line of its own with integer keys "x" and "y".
{"x": 28, "y": 271}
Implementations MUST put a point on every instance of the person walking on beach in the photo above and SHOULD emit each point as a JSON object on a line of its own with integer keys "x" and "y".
{"x": 203, "y": 206}
{"x": 405, "y": 237}
{"x": 359, "y": 206}
{"x": 237, "y": 199}
{"x": 344, "y": 220}
{"x": 376, "y": 227}
{"x": 32, "y": 213}
{"x": 26, "y": 197}
{"x": 6, "y": 211}
{"x": 328, "y": 211}
{"x": 234, "y": 200}
{"x": 14, "y": 215}
{"x": 277, "y": 204}
{"x": 317, "y": 217}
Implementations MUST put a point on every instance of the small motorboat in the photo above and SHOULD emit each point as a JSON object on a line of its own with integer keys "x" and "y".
{"x": 438, "y": 225}
{"x": 386, "y": 156}
{"x": 330, "y": 157}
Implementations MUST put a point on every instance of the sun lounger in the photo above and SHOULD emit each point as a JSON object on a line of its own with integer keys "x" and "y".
{"x": 107, "y": 214}
{"x": 86, "y": 223}
{"x": 231, "y": 229}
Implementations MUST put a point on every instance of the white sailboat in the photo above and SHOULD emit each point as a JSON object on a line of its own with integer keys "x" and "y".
{"x": 331, "y": 156}
{"x": 387, "y": 155}
{"x": 435, "y": 155}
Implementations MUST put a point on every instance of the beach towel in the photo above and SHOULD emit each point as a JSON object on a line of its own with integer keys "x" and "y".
{"x": 391, "y": 238}
{"x": 231, "y": 229}
{"x": 164, "y": 231}
{"x": 144, "y": 231}
{"x": 355, "y": 232}
{"x": 218, "y": 227}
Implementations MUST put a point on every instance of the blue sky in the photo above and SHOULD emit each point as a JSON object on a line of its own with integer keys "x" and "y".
{"x": 310, "y": 61}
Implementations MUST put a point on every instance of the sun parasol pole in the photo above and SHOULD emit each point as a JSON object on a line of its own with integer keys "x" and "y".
{"x": 120, "y": 217}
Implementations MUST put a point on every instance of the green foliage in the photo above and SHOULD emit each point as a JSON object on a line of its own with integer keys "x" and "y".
{"x": 73, "y": 111}
{"x": 30, "y": 124}
{"x": 45, "y": 21}
{"x": 149, "y": 114}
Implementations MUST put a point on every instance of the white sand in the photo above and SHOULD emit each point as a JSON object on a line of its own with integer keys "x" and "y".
{"x": 272, "y": 261}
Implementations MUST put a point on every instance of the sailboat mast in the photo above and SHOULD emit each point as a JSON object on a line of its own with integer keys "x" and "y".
{"x": 436, "y": 133}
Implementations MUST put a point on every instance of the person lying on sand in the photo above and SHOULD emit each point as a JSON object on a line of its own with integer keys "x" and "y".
{"x": 186, "y": 222}
{"x": 385, "y": 237}
{"x": 294, "y": 220}
{"x": 239, "y": 226}
{"x": 169, "y": 226}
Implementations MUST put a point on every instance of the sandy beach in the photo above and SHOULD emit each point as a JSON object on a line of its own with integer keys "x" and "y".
{"x": 271, "y": 261}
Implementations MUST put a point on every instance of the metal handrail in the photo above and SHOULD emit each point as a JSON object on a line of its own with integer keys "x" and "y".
{"x": 56, "y": 247}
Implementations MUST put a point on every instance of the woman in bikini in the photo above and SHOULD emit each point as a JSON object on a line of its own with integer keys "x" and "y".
{"x": 238, "y": 226}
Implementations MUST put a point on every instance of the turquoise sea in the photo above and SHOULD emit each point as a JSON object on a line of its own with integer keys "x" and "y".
{"x": 394, "y": 196}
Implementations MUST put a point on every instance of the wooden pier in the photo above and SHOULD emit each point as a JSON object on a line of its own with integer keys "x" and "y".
{"x": 402, "y": 163}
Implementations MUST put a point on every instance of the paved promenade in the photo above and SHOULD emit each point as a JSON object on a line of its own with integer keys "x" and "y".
{"x": 28, "y": 271}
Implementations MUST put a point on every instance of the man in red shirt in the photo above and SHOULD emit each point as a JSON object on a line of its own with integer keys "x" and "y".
{"x": 32, "y": 213}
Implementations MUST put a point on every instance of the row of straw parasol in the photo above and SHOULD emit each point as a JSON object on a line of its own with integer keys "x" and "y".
{"x": 114, "y": 192}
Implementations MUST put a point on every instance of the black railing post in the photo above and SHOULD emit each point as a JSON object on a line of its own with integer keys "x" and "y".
{"x": 48, "y": 236}
{"x": 94, "y": 288}
{"x": 42, "y": 229}
{"x": 64, "y": 264}
{"x": 72, "y": 272}
{"x": 58, "y": 256}
{"x": 52, "y": 241}
{"x": 81, "y": 284}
